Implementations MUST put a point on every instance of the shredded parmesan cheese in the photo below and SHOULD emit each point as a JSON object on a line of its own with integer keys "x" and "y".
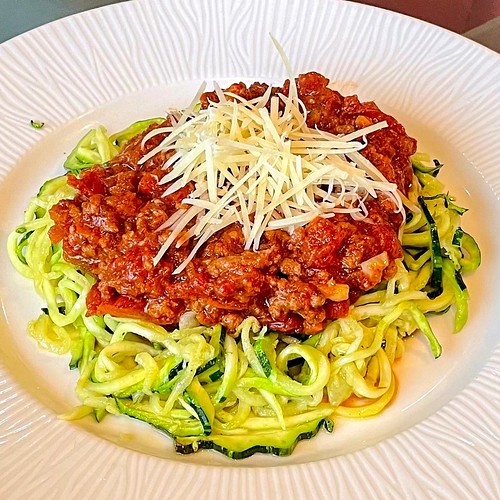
{"x": 263, "y": 168}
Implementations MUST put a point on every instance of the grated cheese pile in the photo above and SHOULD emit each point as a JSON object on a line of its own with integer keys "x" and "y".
{"x": 263, "y": 168}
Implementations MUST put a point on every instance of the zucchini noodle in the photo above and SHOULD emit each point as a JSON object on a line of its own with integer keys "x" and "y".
{"x": 256, "y": 391}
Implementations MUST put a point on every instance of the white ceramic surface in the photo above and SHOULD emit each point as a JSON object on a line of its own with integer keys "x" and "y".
{"x": 440, "y": 438}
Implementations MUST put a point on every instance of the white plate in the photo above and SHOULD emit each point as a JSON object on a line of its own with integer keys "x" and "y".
{"x": 135, "y": 60}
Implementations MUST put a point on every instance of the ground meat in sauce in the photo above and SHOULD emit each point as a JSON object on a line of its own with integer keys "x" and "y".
{"x": 110, "y": 229}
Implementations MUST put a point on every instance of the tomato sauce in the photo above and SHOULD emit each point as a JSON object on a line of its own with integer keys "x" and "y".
{"x": 111, "y": 230}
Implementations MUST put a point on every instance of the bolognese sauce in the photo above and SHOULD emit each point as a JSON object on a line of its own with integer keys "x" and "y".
{"x": 294, "y": 282}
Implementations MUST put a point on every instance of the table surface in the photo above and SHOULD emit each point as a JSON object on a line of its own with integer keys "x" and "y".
{"x": 18, "y": 16}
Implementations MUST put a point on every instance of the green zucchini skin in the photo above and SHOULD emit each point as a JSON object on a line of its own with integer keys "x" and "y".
{"x": 200, "y": 401}
{"x": 166, "y": 424}
{"x": 435, "y": 247}
{"x": 190, "y": 435}
{"x": 281, "y": 443}
{"x": 266, "y": 354}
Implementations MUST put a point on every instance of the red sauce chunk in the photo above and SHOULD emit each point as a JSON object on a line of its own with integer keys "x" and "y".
{"x": 293, "y": 283}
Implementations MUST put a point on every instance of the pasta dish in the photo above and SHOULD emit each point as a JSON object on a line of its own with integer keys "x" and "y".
{"x": 241, "y": 272}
